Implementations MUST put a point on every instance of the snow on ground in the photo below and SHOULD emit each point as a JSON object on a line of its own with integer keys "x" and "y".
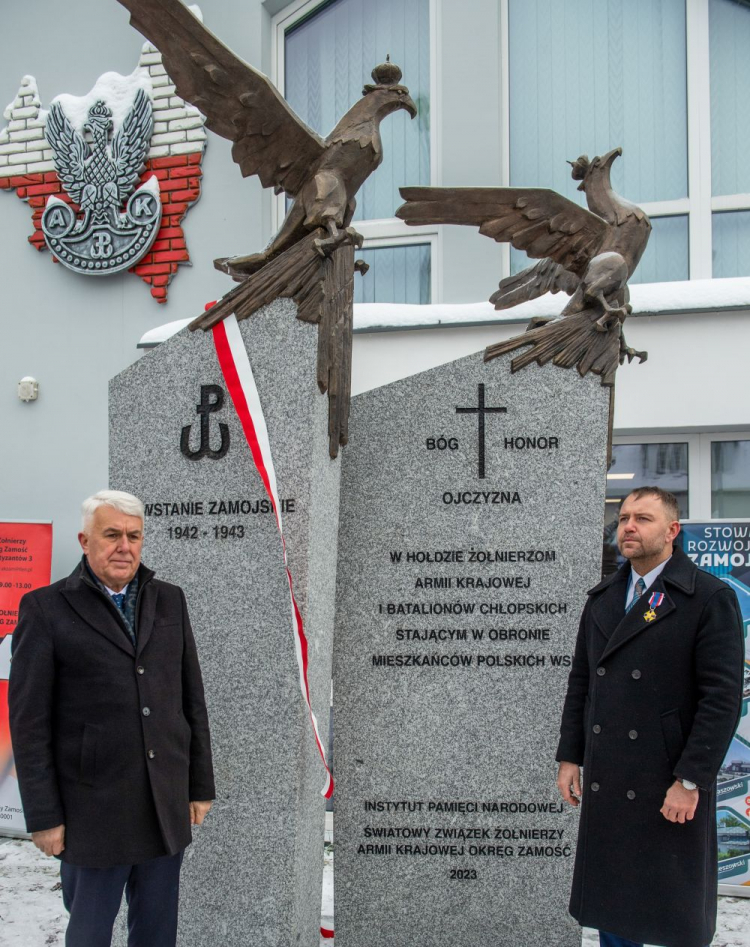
{"x": 32, "y": 914}
{"x": 326, "y": 908}
{"x": 31, "y": 908}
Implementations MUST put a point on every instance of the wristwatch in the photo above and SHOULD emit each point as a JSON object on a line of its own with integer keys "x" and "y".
{"x": 688, "y": 785}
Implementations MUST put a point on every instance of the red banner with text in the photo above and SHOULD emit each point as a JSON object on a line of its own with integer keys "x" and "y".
{"x": 25, "y": 564}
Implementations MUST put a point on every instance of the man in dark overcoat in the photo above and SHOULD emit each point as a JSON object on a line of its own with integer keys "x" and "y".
{"x": 654, "y": 697}
{"x": 110, "y": 731}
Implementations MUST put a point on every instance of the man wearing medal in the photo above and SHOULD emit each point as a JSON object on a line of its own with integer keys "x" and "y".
{"x": 654, "y": 697}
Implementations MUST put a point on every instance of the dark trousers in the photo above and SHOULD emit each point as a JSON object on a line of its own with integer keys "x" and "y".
{"x": 93, "y": 896}
{"x": 612, "y": 940}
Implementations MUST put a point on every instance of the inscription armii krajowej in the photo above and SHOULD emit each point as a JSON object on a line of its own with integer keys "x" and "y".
{"x": 476, "y": 609}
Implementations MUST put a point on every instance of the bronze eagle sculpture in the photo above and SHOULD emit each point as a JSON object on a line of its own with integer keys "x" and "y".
{"x": 323, "y": 176}
{"x": 589, "y": 254}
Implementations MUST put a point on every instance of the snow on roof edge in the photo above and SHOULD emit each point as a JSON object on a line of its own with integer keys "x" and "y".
{"x": 159, "y": 334}
{"x": 647, "y": 299}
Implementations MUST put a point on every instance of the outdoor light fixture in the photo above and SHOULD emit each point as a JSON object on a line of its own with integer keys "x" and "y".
{"x": 28, "y": 389}
{"x": 620, "y": 476}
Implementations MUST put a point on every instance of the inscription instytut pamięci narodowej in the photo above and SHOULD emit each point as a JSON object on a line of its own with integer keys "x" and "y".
{"x": 99, "y": 170}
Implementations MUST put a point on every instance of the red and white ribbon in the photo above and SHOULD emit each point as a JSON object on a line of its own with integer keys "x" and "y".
{"x": 238, "y": 377}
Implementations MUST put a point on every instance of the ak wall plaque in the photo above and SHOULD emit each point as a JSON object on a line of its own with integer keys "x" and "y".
{"x": 109, "y": 176}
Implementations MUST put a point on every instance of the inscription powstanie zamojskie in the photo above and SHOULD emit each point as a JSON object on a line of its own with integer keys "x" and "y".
{"x": 179, "y": 515}
{"x": 245, "y": 506}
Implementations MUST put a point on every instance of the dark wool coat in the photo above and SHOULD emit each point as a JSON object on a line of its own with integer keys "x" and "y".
{"x": 109, "y": 741}
{"x": 649, "y": 702}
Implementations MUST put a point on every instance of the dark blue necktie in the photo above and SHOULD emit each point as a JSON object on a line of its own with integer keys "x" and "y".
{"x": 640, "y": 588}
{"x": 119, "y": 599}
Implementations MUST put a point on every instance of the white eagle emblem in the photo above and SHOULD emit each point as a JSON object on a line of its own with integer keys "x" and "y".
{"x": 99, "y": 177}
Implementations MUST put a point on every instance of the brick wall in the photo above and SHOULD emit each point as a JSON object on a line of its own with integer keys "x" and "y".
{"x": 179, "y": 181}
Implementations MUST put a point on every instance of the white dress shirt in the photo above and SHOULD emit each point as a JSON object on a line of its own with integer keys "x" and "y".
{"x": 111, "y": 592}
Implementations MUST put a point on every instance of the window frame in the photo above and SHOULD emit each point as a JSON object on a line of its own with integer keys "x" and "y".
{"x": 704, "y": 458}
{"x": 387, "y": 231}
{"x": 699, "y": 206}
{"x": 384, "y": 240}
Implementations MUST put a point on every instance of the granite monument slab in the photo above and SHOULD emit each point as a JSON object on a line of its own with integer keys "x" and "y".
{"x": 254, "y": 870}
{"x": 472, "y": 506}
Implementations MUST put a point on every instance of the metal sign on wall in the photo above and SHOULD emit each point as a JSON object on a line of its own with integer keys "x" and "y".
{"x": 108, "y": 176}
{"x": 100, "y": 170}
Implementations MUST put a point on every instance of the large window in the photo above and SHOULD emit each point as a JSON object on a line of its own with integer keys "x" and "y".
{"x": 588, "y": 75}
{"x": 325, "y": 54}
{"x": 729, "y": 27}
{"x": 667, "y": 252}
{"x": 669, "y": 81}
{"x": 401, "y": 273}
{"x": 731, "y": 242}
{"x": 730, "y": 479}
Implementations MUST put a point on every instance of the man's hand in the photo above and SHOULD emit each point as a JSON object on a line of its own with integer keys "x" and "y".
{"x": 569, "y": 782}
{"x": 198, "y": 812}
{"x": 50, "y": 841}
{"x": 680, "y": 803}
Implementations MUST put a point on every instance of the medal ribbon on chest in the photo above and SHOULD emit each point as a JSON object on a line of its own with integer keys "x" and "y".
{"x": 654, "y": 602}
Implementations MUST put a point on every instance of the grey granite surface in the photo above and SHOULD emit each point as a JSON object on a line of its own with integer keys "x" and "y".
{"x": 449, "y": 828}
{"x": 253, "y": 873}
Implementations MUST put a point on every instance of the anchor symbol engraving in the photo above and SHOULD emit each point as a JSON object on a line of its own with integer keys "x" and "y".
{"x": 204, "y": 409}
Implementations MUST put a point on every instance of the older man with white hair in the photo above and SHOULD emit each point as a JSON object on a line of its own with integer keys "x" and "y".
{"x": 110, "y": 730}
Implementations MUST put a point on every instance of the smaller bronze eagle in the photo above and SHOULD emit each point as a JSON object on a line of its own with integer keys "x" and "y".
{"x": 323, "y": 175}
{"x": 589, "y": 254}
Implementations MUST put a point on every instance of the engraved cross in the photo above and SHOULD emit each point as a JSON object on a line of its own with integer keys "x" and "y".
{"x": 480, "y": 410}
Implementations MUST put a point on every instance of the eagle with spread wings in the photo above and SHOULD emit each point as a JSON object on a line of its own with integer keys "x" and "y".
{"x": 97, "y": 177}
{"x": 322, "y": 175}
{"x": 588, "y": 253}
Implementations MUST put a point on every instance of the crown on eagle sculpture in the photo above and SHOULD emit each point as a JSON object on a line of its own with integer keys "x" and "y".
{"x": 386, "y": 74}
{"x": 100, "y": 114}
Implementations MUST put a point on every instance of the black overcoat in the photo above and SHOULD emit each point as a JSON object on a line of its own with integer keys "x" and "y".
{"x": 649, "y": 702}
{"x": 111, "y": 741}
